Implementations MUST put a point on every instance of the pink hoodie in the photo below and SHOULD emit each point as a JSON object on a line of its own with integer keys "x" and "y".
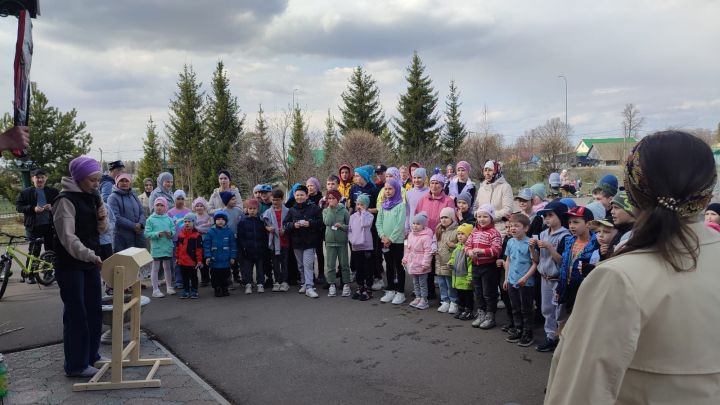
{"x": 421, "y": 246}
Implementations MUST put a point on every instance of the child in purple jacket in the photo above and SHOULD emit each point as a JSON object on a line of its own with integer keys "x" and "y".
{"x": 360, "y": 238}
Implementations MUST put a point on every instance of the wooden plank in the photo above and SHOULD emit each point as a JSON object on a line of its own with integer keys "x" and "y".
{"x": 130, "y": 346}
{"x": 116, "y": 386}
{"x": 153, "y": 370}
{"x": 100, "y": 373}
{"x": 130, "y": 304}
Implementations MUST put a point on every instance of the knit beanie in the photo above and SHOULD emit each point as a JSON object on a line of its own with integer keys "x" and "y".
{"x": 621, "y": 200}
{"x": 200, "y": 201}
{"x": 609, "y": 184}
{"x": 190, "y": 217}
{"x": 82, "y": 167}
{"x": 252, "y": 203}
{"x": 465, "y": 165}
{"x": 486, "y": 208}
{"x": 714, "y": 207}
{"x": 394, "y": 172}
{"x": 439, "y": 178}
{"x": 420, "y": 172}
{"x": 226, "y": 196}
{"x": 539, "y": 190}
{"x": 162, "y": 201}
{"x": 336, "y": 194}
{"x": 448, "y": 212}
{"x": 121, "y": 177}
{"x": 554, "y": 180}
{"x": 364, "y": 199}
{"x": 465, "y": 229}
{"x": 366, "y": 172}
{"x": 421, "y": 218}
{"x": 464, "y": 196}
{"x": 315, "y": 182}
{"x": 597, "y": 209}
{"x": 220, "y": 214}
{"x": 179, "y": 193}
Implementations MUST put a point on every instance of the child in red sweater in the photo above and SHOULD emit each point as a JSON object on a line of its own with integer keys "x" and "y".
{"x": 484, "y": 247}
{"x": 189, "y": 255}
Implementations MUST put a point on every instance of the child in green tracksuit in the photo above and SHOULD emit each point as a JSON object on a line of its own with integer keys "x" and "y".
{"x": 336, "y": 219}
{"x": 461, "y": 266}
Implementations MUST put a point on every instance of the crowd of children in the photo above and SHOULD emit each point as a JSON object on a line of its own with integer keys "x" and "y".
{"x": 531, "y": 261}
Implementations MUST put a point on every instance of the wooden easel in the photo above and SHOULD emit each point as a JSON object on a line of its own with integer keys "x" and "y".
{"x": 127, "y": 356}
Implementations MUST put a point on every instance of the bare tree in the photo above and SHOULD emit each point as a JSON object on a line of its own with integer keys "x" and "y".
{"x": 632, "y": 121}
{"x": 553, "y": 142}
{"x": 280, "y": 128}
{"x": 359, "y": 147}
{"x": 479, "y": 148}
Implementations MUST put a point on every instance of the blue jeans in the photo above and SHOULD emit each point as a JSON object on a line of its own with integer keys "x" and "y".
{"x": 447, "y": 293}
{"x": 82, "y": 317}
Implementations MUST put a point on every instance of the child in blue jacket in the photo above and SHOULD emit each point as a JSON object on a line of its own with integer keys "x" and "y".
{"x": 220, "y": 250}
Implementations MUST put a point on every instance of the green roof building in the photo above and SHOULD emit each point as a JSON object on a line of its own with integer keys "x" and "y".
{"x": 586, "y": 144}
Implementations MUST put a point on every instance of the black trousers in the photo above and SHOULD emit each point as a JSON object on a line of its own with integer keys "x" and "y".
{"x": 504, "y": 296}
{"x": 320, "y": 254}
{"x": 190, "y": 278}
{"x": 40, "y": 231}
{"x": 363, "y": 261}
{"x": 522, "y": 302}
{"x": 377, "y": 254}
{"x": 268, "y": 266}
{"x": 485, "y": 286}
{"x": 431, "y": 281}
{"x": 394, "y": 271}
{"x": 205, "y": 273}
{"x": 219, "y": 278}
{"x": 465, "y": 299}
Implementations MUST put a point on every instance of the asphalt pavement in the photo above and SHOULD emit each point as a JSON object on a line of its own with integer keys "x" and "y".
{"x": 287, "y": 348}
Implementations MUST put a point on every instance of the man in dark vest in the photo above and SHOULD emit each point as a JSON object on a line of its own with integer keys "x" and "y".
{"x": 35, "y": 203}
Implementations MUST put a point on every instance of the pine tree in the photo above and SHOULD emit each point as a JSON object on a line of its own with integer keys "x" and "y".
{"x": 262, "y": 150}
{"x": 416, "y": 128}
{"x": 331, "y": 145}
{"x": 361, "y": 107}
{"x": 300, "y": 151}
{"x": 390, "y": 142}
{"x": 151, "y": 163}
{"x": 184, "y": 131}
{"x": 224, "y": 126}
{"x": 455, "y": 132}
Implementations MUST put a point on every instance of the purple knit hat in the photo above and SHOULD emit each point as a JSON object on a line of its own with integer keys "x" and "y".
{"x": 465, "y": 165}
{"x": 315, "y": 182}
{"x": 83, "y": 166}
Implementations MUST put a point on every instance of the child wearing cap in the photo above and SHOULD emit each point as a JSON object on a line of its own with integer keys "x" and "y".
{"x": 261, "y": 192}
{"x": 160, "y": 230}
{"x": 278, "y": 241}
{"x": 304, "y": 225}
{"x": 606, "y": 235}
{"x": 519, "y": 281}
{"x": 575, "y": 256}
{"x": 606, "y": 189}
{"x": 189, "y": 255}
{"x": 544, "y": 253}
{"x": 336, "y": 219}
{"x": 251, "y": 244}
{"x": 361, "y": 241}
{"x": 461, "y": 267}
{"x": 484, "y": 247}
{"x": 623, "y": 218}
{"x": 177, "y": 213}
{"x": 446, "y": 235}
{"x": 219, "y": 251}
{"x": 419, "y": 251}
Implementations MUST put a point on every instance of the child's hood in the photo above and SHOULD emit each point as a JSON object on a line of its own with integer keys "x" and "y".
{"x": 424, "y": 232}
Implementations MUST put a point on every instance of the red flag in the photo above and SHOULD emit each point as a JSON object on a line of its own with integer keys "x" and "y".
{"x": 23, "y": 60}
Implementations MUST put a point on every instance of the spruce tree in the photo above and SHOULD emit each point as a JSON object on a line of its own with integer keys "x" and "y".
{"x": 151, "y": 163}
{"x": 361, "y": 107}
{"x": 224, "y": 126}
{"x": 300, "y": 151}
{"x": 417, "y": 127}
{"x": 455, "y": 133}
{"x": 331, "y": 144}
{"x": 184, "y": 131}
{"x": 262, "y": 150}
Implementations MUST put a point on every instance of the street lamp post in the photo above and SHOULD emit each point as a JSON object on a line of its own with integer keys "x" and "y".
{"x": 566, "y": 104}
{"x": 293, "y": 97}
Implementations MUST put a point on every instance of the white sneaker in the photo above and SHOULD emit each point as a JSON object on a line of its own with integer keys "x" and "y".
{"x": 302, "y": 289}
{"x": 157, "y": 294}
{"x": 398, "y": 299}
{"x": 248, "y": 288}
{"x": 170, "y": 291}
{"x": 332, "y": 291}
{"x": 500, "y": 305}
{"x": 311, "y": 293}
{"x": 378, "y": 284}
{"x": 414, "y": 302}
{"x": 389, "y": 295}
{"x": 284, "y": 287}
{"x": 260, "y": 288}
{"x": 453, "y": 308}
{"x": 346, "y": 290}
{"x": 276, "y": 287}
{"x": 444, "y": 307}
{"x": 423, "y": 304}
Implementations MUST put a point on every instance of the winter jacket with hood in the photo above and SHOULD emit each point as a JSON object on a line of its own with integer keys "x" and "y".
{"x": 219, "y": 245}
{"x": 203, "y": 223}
{"x": 160, "y": 246}
{"x": 419, "y": 251}
{"x": 344, "y": 188}
{"x": 499, "y": 194}
{"x": 304, "y": 237}
{"x": 432, "y": 205}
{"x": 447, "y": 241}
{"x": 251, "y": 237}
{"x": 128, "y": 212}
{"x": 216, "y": 202}
{"x": 461, "y": 267}
{"x": 332, "y": 216}
{"x": 489, "y": 240}
{"x": 360, "y": 231}
{"x": 189, "y": 250}
{"x": 270, "y": 219}
{"x": 391, "y": 223}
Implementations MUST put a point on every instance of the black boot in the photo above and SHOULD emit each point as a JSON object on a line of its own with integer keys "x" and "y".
{"x": 218, "y": 292}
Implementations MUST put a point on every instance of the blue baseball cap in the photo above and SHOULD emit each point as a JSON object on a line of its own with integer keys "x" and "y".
{"x": 263, "y": 188}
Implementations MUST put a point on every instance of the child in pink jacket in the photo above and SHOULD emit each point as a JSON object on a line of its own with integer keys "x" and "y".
{"x": 421, "y": 246}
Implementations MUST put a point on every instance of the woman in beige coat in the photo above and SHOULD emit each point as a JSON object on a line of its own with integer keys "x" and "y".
{"x": 496, "y": 192}
{"x": 646, "y": 323}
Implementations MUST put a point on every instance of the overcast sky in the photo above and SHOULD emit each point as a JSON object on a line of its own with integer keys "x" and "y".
{"x": 117, "y": 62}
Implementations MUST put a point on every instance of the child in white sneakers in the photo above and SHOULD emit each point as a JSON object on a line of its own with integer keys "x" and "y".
{"x": 336, "y": 220}
{"x": 160, "y": 229}
{"x": 421, "y": 246}
{"x": 446, "y": 234}
{"x": 361, "y": 241}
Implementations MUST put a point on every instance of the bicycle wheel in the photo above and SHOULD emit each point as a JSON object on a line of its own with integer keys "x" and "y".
{"x": 4, "y": 276}
{"x": 45, "y": 275}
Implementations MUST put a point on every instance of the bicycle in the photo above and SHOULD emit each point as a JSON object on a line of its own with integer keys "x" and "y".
{"x": 40, "y": 268}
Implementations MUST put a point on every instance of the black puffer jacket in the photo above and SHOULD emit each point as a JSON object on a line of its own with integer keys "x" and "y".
{"x": 304, "y": 238}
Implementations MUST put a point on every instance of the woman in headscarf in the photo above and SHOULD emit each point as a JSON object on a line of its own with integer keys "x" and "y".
{"x": 79, "y": 218}
{"x": 644, "y": 328}
{"x": 496, "y": 192}
{"x": 163, "y": 189}
{"x": 224, "y": 181}
{"x": 129, "y": 215}
{"x": 144, "y": 197}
